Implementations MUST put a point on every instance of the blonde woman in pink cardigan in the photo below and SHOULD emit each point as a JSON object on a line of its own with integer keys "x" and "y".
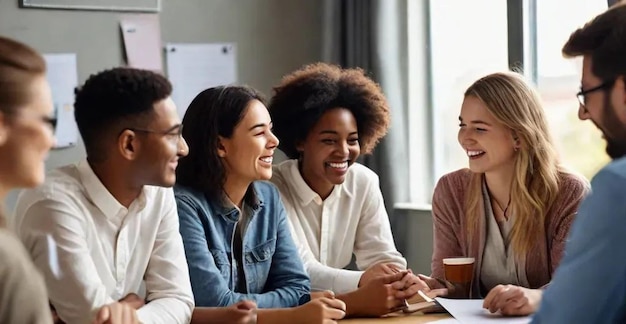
{"x": 512, "y": 209}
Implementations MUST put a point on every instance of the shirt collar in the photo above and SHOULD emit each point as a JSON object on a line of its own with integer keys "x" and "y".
{"x": 302, "y": 189}
{"x": 100, "y": 195}
{"x": 227, "y": 209}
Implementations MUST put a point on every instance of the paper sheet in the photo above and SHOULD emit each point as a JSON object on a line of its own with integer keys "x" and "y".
{"x": 195, "y": 67}
{"x": 142, "y": 41}
{"x": 62, "y": 74}
{"x": 470, "y": 311}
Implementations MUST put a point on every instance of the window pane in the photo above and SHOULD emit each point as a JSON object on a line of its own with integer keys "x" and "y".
{"x": 468, "y": 40}
{"x": 579, "y": 142}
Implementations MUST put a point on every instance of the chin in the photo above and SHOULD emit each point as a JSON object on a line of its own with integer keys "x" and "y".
{"x": 476, "y": 169}
{"x": 337, "y": 180}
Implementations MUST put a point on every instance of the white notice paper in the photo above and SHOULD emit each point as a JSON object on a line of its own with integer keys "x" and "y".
{"x": 470, "y": 311}
{"x": 195, "y": 67}
{"x": 142, "y": 41}
{"x": 62, "y": 75}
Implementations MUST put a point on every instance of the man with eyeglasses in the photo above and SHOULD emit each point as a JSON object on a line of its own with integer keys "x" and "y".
{"x": 102, "y": 229}
{"x": 590, "y": 284}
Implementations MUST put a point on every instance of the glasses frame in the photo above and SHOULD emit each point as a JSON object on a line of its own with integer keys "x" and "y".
{"x": 581, "y": 95}
{"x": 176, "y": 131}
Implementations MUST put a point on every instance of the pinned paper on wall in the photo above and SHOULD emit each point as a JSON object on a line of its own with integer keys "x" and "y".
{"x": 62, "y": 75}
{"x": 194, "y": 67}
{"x": 142, "y": 41}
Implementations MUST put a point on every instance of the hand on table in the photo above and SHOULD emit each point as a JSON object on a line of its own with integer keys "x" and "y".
{"x": 116, "y": 313}
{"x": 378, "y": 270}
{"x": 133, "y": 300}
{"x": 321, "y": 310}
{"x": 243, "y": 312}
{"x": 513, "y": 300}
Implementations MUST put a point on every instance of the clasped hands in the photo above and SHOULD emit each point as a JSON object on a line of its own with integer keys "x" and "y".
{"x": 384, "y": 287}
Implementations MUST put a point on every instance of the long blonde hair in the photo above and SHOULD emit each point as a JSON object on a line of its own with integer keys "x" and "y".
{"x": 517, "y": 105}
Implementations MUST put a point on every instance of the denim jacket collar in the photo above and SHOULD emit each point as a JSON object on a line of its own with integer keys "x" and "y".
{"x": 227, "y": 210}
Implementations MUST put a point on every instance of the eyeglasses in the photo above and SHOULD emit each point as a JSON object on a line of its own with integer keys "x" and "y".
{"x": 582, "y": 94}
{"x": 174, "y": 133}
{"x": 51, "y": 121}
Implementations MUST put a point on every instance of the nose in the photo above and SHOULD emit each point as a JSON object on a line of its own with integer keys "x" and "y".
{"x": 183, "y": 148}
{"x": 273, "y": 140}
{"x": 465, "y": 138}
{"x": 344, "y": 148}
{"x": 583, "y": 113}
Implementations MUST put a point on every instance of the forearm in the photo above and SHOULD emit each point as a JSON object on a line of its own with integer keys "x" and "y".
{"x": 277, "y": 316}
{"x": 354, "y": 303}
{"x": 166, "y": 311}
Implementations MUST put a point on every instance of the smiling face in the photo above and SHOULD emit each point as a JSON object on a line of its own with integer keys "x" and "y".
{"x": 606, "y": 109}
{"x": 489, "y": 144}
{"x": 248, "y": 153}
{"x": 331, "y": 146}
{"x": 161, "y": 147}
{"x": 26, "y": 137}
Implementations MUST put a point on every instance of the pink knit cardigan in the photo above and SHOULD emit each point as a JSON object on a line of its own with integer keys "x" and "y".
{"x": 450, "y": 236}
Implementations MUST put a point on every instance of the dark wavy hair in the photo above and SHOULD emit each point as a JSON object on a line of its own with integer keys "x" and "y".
{"x": 113, "y": 97}
{"x": 303, "y": 96}
{"x": 213, "y": 113}
{"x": 604, "y": 39}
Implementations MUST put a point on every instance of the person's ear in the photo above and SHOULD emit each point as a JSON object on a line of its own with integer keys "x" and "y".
{"x": 4, "y": 128}
{"x": 300, "y": 146}
{"x": 221, "y": 148}
{"x": 128, "y": 144}
{"x": 517, "y": 144}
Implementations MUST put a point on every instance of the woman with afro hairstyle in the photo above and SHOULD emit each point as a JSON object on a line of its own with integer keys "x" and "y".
{"x": 325, "y": 118}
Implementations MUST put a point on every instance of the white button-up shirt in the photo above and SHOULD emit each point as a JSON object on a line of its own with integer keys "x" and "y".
{"x": 92, "y": 250}
{"x": 351, "y": 220}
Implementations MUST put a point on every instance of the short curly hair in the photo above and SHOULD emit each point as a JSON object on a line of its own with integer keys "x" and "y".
{"x": 112, "y": 97}
{"x": 303, "y": 96}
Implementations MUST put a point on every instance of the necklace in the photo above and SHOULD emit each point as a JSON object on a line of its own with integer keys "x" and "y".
{"x": 503, "y": 209}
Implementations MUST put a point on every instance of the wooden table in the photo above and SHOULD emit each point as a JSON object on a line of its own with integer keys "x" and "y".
{"x": 399, "y": 318}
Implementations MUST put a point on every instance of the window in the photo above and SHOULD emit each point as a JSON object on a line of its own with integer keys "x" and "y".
{"x": 468, "y": 39}
{"x": 580, "y": 144}
{"x": 459, "y": 41}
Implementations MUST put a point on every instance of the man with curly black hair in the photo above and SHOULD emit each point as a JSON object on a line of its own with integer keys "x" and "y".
{"x": 98, "y": 229}
{"x": 325, "y": 117}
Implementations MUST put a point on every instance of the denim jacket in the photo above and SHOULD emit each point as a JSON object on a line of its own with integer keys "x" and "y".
{"x": 274, "y": 273}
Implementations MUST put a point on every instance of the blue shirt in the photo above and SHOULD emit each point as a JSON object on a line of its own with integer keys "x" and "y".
{"x": 590, "y": 284}
{"x": 273, "y": 271}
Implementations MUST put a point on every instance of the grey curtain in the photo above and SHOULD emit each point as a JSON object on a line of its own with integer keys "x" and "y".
{"x": 371, "y": 34}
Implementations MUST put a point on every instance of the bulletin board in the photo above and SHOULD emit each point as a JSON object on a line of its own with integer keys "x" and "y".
{"x": 108, "y": 5}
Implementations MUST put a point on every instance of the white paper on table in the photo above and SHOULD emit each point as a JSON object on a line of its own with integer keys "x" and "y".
{"x": 445, "y": 321}
{"x": 62, "y": 75}
{"x": 142, "y": 41}
{"x": 193, "y": 68}
{"x": 470, "y": 311}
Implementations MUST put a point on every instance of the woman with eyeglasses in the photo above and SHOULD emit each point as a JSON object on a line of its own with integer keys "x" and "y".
{"x": 512, "y": 209}
{"x": 233, "y": 224}
{"x": 26, "y": 136}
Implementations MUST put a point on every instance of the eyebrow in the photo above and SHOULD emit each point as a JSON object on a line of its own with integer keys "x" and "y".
{"x": 332, "y": 132}
{"x": 173, "y": 127}
{"x": 476, "y": 121}
{"x": 259, "y": 125}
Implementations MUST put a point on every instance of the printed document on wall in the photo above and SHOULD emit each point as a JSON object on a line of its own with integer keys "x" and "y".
{"x": 62, "y": 75}
{"x": 194, "y": 67}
